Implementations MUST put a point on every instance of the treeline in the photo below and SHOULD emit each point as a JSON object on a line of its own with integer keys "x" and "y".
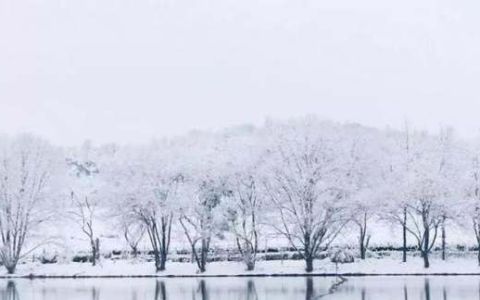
{"x": 305, "y": 179}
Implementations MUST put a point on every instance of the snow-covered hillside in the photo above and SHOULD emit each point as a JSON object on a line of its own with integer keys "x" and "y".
{"x": 305, "y": 184}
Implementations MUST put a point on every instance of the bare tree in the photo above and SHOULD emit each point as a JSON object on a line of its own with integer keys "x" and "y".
{"x": 425, "y": 223}
{"x": 84, "y": 214}
{"x": 159, "y": 229}
{"x": 361, "y": 220}
{"x": 156, "y": 213}
{"x": 85, "y": 197}
{"x": 133, "y": 233}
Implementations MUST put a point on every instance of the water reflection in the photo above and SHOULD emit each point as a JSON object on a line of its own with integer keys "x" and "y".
{"x": 308, "y": 288}
{"x": 95, "y": 294}
{"x": 251, "y": 291}
{"x": 427, "y": 289}
{"x": 202, "y": 290}
{"x": 10, "y": 292}
{"x": 160, "y": 291}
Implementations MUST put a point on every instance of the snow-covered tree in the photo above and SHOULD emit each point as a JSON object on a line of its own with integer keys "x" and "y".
{"x": 428, "y": 187}
{"x": 201, "y": 216}
{"x": 304, "y": 179}
{"x": 200, "y": 220}
{"x": 28, "y": 166}
{"x": 242, "y": 216}
{"x": 396, "y": 180}
{"x": 470, "y": 204}
{"x": 244, "y": 207}
{"x": 145, "y": 181}
{"x": 365, "y": 167}
{"x": 451, "y": 155}
{"x": 305, "y": 165}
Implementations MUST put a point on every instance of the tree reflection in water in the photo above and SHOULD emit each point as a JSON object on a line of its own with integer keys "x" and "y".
{"x": 309, "y": 292}
{"x": 160, "y": 290}
{"x": 427, "y": 289}
{"x": 95, "y": 294}
{"x": 251, "y": 290}
{"x": 10, "y": 292}
{"x": 248, "y": 289}
{"x": 202, "y": 290}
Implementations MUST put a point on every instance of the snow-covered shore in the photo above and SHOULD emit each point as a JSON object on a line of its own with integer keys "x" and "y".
{"x": 125, "y": 268}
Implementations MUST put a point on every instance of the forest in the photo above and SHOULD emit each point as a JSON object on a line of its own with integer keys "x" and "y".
{"x": 305, "y": 180}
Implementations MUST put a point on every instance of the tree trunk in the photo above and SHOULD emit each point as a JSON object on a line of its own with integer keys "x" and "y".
{"x": 95, "y": 244}
{"x": 97, "y": 247}
{"x": 203, "y": 256}
{"x": 478, "y": 254}
{"x": 11, "y": 268}
{"x": 248, "y": 257}
{"x": 94, "y": 252}
{"x": 476, "y": 228}
{"x": 165, "y": 244}
{"x": 135, "y": 251}
{"x": 444, "y": 244}
{"x": 308, "y": 253}
{"x": 158, "y": 264}
{"x": 426, "y": 262}
{"x": 362, "y": 243}
{"x": 248, "y": 253}
{"x": 404, "y": 227}
{"x": 163, "y": 261}
{"x": 309, "y": 263}
{"x": 362, "y": 249}
{"x": 250, "y": 266}
{"x": 424, "y": 248}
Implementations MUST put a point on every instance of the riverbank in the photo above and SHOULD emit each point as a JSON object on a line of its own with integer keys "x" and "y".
{"x": 127, "y": 268}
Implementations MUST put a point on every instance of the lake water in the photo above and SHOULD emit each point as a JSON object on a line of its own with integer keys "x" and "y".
{"x": 277, "y": 288}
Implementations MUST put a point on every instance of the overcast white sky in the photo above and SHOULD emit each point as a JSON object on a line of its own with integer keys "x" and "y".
{"x": 127, "y": 70}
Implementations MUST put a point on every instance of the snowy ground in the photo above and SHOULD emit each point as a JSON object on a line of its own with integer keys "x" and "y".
{"x": 370, "y": 266}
